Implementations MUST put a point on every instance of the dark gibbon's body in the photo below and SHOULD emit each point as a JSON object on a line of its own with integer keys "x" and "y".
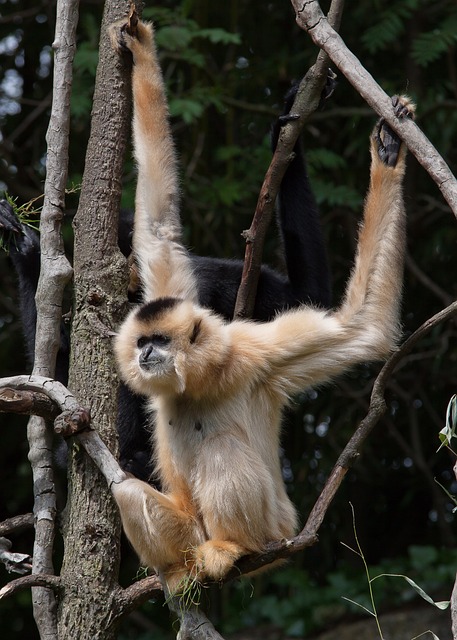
{"x": 307, "y": 280}
{"x": 217, "y": 388}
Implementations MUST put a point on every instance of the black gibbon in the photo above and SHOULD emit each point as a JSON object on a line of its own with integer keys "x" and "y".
{"x": 307, "y": 280}
{"x": 217, "y": 388}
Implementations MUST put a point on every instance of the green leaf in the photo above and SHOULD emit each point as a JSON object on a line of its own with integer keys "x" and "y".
{"x": 86, "y": 59}
{"x": 429, "y": 46}
{"x": 357, "y": 604}
{"x": 219, "y": 36}
{"x": 173, "y": 38}
{"x": 439, "y": 605}
{"x": 187, "y": 109}
{"x": 449, "y": 430}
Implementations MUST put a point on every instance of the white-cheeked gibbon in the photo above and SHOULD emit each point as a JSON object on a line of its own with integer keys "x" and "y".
{"x": 217, "y": 388}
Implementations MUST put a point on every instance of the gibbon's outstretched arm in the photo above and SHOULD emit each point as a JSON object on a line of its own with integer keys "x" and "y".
{"x": 218, "y": 388}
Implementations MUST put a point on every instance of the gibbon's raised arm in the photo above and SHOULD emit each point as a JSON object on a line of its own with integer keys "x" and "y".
{"x": 307, "y": 346}
{"x": 163, "y": 263}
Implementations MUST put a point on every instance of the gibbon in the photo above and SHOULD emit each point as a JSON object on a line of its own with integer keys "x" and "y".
{"x": 306, "y": 280}
{"x": 217, "y": 388}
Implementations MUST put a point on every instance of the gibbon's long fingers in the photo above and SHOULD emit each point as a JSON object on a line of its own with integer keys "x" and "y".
{"x": 163, "y": 263}
{"x": 376, "y": 281}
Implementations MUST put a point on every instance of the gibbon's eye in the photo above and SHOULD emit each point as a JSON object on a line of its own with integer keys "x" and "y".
{"x": 156, "y": 340}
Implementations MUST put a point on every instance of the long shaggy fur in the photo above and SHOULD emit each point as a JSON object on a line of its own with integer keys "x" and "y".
{"x": 217, "y": 389}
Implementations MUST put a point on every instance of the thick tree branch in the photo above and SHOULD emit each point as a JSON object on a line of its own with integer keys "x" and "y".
{"x": 27, "y": 403}
{"x": 305, "y": 103}
{"x": 133, "y": 596}
{"x": 67, "y": 405}
{"x": 309, "y": 17}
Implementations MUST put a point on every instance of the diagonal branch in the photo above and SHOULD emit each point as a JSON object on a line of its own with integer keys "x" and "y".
{"x": 310, "y": 18}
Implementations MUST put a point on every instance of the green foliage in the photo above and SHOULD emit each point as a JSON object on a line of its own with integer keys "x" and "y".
{"x": 390, "y": 25}
{"x": 297, "y": 604}
{"x": 429, "y": 46}
{"x": 449, "y": 430}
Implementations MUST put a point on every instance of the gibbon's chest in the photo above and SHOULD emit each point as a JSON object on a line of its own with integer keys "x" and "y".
{"x": 184, "y": 429}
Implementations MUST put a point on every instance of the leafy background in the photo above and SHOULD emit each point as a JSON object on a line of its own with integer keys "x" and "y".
{"x": 227, "y": 67}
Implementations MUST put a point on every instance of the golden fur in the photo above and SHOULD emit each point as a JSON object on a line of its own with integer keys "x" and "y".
{"x": 217, "y": 389}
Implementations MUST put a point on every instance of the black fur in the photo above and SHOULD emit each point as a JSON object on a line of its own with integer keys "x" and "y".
{"x": 155, "y": 308}
{"x": 307, "y": 280}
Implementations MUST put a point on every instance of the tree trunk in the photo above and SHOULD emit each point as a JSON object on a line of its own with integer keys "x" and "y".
{"x": 92, "y": 528}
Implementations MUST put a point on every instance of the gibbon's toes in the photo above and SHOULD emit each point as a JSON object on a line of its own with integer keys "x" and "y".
{"x": 178, "y": 579}
{"x": 387, "y": 140}
{"x": 214, "y": 558}
{"x": 403, "y": 107}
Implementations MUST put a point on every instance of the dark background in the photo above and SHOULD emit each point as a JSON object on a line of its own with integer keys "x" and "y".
{"x": 225, "y": 88}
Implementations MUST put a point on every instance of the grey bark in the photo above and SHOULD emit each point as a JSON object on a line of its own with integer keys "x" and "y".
{"x": 92, "y": 527}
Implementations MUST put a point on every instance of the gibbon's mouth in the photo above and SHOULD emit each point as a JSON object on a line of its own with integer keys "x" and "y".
{"x": 151, "y": 365}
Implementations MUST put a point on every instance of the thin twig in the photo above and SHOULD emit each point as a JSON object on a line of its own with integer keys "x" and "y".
{"x": 50, "y": 582}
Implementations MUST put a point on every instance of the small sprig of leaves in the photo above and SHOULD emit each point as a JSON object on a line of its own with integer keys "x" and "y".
{"x": 29, "y": 212}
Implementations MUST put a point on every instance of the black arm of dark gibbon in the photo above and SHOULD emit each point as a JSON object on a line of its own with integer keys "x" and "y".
{"x": 307, "y": 280}
{"x": 305, "y": 256}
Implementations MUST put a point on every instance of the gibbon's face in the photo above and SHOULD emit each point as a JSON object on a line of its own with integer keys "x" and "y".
{"x": 154, "y": 343}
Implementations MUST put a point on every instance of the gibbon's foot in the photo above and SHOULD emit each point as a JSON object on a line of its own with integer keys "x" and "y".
{"x": 214, "y": 558}
{"x": 387, "y": 140}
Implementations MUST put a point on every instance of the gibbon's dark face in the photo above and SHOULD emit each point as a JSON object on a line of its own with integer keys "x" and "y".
{"x": 154, "y": 343}
{"x": 153, "y": 350}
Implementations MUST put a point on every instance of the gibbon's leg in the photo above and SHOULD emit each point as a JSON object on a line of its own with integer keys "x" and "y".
{"x": 162, "y": 528}
{"x": 163, "y": 264}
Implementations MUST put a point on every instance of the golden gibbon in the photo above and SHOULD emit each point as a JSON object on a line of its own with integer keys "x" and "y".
{"x": 217, "y": 388}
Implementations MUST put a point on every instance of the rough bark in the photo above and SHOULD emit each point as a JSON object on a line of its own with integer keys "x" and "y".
{"x": 92, "y": 527}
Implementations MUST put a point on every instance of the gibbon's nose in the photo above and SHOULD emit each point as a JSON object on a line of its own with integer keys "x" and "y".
{"x": 145, "y": 354}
